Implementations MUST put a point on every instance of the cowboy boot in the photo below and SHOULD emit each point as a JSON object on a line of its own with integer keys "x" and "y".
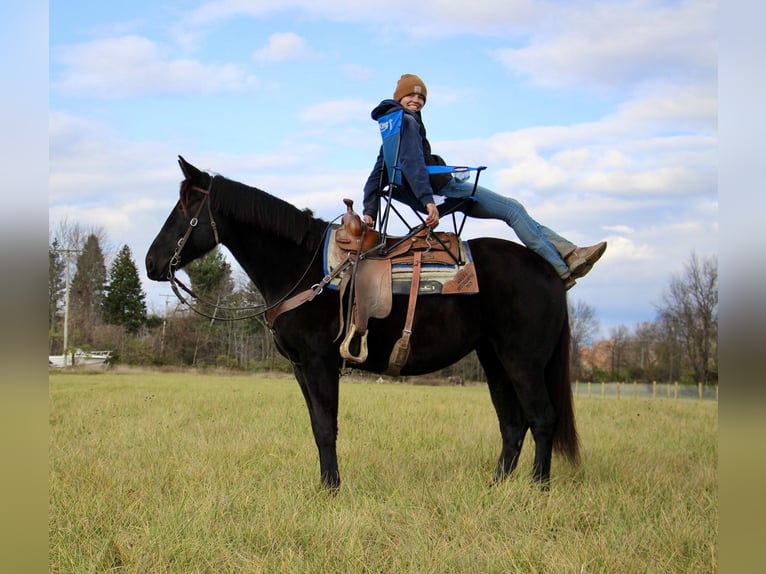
{"x": 581, "y": 260}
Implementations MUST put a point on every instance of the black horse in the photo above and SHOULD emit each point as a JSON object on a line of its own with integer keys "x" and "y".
{"x": 518, "y": 323}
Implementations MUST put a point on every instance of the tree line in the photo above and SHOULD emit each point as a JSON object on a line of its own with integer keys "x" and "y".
{"x": 107, "y": 310}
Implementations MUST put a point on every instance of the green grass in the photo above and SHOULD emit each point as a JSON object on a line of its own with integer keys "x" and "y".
{"x": 202, "y": 473}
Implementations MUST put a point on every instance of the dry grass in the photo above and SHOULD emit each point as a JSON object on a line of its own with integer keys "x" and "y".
{"x": 200, "y": 473}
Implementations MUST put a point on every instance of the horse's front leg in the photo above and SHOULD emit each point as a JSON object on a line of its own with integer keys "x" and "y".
{"x": 319, "y": 385}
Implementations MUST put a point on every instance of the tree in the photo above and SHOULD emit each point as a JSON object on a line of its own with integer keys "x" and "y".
{"x": 124, "y": 303}
{"x": 87, "y": 291}
{"x": 583, "y": 326}
{"x": 690, "y": 309}
{"x": 211, "y": 280}
{"x": 619, "y": 340}
{"x": 210, "y": 276}
{"x": 56, "y": 284}
{"x": 645, "y": 357}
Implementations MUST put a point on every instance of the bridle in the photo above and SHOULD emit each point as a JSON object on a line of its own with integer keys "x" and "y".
{"x": 176, "y": 258}
{"x": 285, "y": 303}
{"x": 176, "y": 284}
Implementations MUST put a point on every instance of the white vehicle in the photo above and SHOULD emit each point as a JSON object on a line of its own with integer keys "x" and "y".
{"x": 80, "y": 358}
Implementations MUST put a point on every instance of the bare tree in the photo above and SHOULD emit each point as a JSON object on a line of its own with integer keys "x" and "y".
{"x": 619, "y": 340}
{"x": 584, "y": 327}
{"x": 690, "y": 308}
{"x": 645, "y": 360}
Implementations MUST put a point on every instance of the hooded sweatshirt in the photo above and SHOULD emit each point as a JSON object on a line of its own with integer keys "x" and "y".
{"x": 414, "y": 155}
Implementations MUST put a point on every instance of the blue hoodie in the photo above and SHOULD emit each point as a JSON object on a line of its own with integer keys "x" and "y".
{"x": 414, "y": 155}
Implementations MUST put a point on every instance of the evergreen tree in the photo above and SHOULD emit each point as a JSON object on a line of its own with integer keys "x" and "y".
{"x": 211, "y": 280}
{"x": 124, "y": 303}
{"x": 210, "y": 276}
{"x": 87, "y": 291}
{"x": 56, "y": 284}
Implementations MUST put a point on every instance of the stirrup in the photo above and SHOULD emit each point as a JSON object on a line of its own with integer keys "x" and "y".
{"x": 345, "y": 346}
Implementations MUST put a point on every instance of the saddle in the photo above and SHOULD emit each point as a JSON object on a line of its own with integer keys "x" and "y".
{"x": 369, "y": 281}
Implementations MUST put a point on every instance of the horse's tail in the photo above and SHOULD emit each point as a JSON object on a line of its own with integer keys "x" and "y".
{"x": 565, "y": 440}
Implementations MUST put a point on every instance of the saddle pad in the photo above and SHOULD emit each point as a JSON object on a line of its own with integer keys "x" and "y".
{"x": 435, "y": 279}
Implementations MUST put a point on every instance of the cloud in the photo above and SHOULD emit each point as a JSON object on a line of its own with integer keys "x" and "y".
{"x": 691, "y": 107}
{"x": 609, "y": 45}
{"x": 441, "y": 12}
{"x": 337, "y": 112}
{"x": 660, "y": 144}
{"x": 130, "y": 66}
{"x": 622, "y": 229}
{"x": 90, "y": 163}
{"x": 357, "y": 73}
{"x": 401, "y": 18}
{"x": 283, "y": 47}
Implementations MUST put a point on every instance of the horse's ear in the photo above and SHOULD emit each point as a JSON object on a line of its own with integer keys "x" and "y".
{"x": 184, "y": 166}
{"x": 190, "y": 172}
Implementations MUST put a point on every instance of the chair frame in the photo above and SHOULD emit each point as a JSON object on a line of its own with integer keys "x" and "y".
{"x": 386, "y": 194}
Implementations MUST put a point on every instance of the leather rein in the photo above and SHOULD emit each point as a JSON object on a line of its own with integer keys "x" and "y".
{"x": 286, "y": 303}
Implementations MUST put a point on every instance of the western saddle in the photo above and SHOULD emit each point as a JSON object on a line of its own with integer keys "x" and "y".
{"x": 368, "y": 281}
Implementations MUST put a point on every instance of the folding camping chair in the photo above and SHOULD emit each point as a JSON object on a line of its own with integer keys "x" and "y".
{"x": 391, "y": 131}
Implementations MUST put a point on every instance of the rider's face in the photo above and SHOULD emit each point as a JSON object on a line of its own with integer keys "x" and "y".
{"x": 413, "y": 102}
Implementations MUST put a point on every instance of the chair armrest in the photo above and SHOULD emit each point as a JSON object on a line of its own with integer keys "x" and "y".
{"x": 453, "y": 168}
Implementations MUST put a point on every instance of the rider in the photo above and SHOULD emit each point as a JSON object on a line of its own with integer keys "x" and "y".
{"x": 569, "y": 261}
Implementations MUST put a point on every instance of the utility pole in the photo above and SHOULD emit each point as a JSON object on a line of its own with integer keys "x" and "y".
{"x": 164, "y": 324}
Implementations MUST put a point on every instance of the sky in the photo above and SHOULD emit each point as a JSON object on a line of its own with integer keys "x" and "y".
{"x": 601, "y": 117}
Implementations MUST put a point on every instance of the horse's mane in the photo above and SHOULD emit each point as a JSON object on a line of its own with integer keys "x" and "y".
{"x": 254, "y": 206}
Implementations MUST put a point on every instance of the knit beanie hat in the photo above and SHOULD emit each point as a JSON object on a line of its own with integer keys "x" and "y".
{"x": 409, "y": 84}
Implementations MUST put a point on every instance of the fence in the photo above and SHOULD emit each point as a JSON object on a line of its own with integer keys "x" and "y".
{"x": 652, "y": 390}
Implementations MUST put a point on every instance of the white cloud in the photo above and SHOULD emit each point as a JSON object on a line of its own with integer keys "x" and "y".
{"x": 282, "y": 47}
{"x": 131, "y": 66}
{"x": 573, "y": 160}
{"x": 427, "y": 17}
{"x": 622, "y": 229}
{"x": 336, "y": 112}
{"x": 217, "y": 10}
{"x": 357, "y": 73}
{"x": 589, "y": 45}
{"x": 688, "y": 107}
{"x": 624, "y": 249}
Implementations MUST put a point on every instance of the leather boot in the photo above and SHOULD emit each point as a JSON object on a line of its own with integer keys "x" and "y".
{"x": 582, "y": 259}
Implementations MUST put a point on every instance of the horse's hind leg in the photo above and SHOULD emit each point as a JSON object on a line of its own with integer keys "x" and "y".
{"x": 521, "y": 401}
{"x": 533, "y": 396}
{"x": 510, "y": 416}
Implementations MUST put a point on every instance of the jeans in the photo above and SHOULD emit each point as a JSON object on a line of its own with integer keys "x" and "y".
{"x": 490, "y": 205}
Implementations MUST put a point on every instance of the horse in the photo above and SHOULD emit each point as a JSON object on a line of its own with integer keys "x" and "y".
{"x": 517, "y": 324}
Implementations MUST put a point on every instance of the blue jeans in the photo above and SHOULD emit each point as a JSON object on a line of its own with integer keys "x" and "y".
{"x": 490, "y": 205}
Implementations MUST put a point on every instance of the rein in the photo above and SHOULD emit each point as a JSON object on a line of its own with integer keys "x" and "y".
{"x": 271, "y": 312}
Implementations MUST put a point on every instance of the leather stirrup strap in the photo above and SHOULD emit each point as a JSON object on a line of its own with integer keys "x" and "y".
{"x": 401, "y": 350}
{"x": 414, "y": 288}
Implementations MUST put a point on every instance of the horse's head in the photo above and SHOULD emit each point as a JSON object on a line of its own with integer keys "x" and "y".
{"x": 189, "y": 231}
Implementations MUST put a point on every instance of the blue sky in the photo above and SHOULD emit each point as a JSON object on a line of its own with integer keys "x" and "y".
{"x": 599, "y": 116}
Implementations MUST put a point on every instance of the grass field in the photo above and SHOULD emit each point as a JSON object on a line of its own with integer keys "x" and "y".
{"x": 192, "y": 473}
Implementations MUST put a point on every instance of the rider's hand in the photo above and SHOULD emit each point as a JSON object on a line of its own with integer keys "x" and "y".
{"x": 432, "y": 219}
{"x": 369, "y": 221}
